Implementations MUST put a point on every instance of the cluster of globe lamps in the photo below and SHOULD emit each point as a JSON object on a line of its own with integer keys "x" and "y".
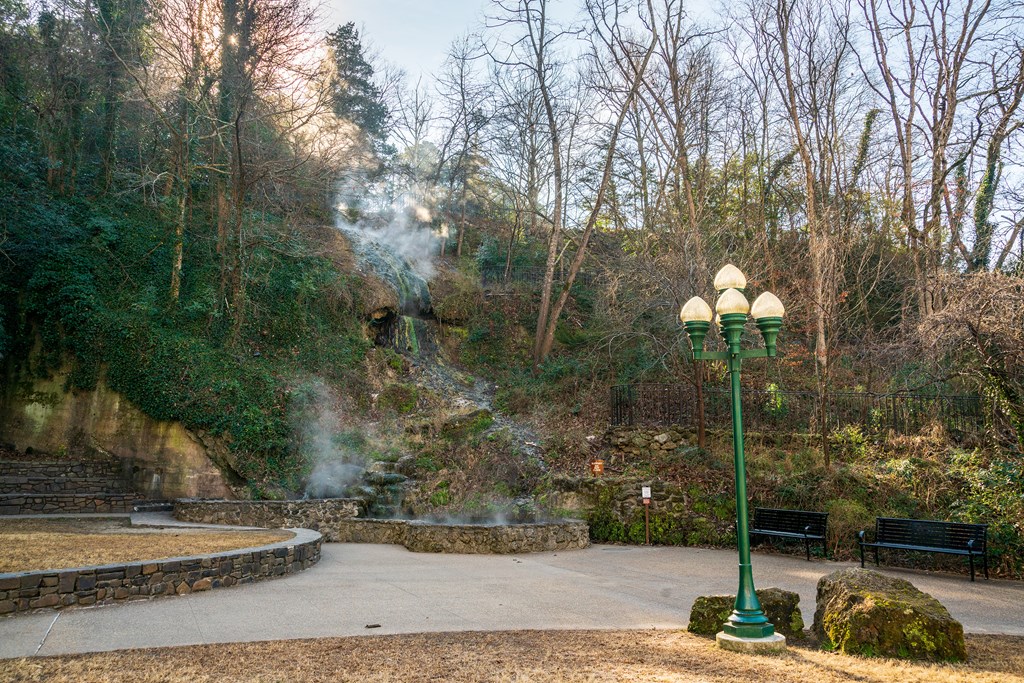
{"x": 732, "y": 309}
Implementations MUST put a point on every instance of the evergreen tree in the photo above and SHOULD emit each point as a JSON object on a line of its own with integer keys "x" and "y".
{"x": 356, "y": 97}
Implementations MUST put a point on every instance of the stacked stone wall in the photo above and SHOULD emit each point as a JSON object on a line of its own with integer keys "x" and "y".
{"x": 57, "y": 469}
{"x": 67, "y": 503}
{"x": 632, "y": 443}
{"x": 64, "y": 487}
{"x": 387, "y": 531}
{"x": 424, "y": 537}
{"x": 337, "y": 519}
{"x": 679, "y": 515}
{"x": 319, "y": 514}
{"x": 112, "y": 583}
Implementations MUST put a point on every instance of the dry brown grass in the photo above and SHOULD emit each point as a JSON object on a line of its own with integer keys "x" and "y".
{"x": 523, "y": 656}
{"x": 30, "y": 544}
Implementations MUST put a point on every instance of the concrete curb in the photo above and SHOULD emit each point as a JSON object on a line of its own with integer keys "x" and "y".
{"x": 121, "y": 582}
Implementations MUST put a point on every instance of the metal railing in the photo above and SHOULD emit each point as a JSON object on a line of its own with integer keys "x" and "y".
{"x": 797, "y": 411}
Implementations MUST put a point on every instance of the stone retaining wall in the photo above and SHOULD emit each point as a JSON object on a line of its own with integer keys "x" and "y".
{"x": 57, "y": 469}
{"x": 424, "y": 537}
{"x": 679, "y": 514}
{"x": 628, "y": 443}
{"x": 644, "y": 442}
{"x": 337, "y": 519}
{"x": 389, "y": 531}
{"x": 105, "y": 584}
{"x": 319, "y": 514}
{"x": 56, "y": 503}
{"x": 430, "y": 537}
{"x": 79, "y": 485}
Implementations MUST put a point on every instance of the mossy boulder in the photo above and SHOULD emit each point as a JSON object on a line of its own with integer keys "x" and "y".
{"x": 862, "y": 612}
{"x": 781, "y": 607}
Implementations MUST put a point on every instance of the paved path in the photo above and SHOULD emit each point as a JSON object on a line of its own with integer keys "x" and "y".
{"x": 603, "y": 587}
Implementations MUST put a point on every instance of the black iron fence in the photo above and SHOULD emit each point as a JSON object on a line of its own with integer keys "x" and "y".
{"x": 532, "y": 276}
{"x": 797, "y": 411}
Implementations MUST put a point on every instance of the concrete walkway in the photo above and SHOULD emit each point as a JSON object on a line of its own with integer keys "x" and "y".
{"x": 381, "y": 589}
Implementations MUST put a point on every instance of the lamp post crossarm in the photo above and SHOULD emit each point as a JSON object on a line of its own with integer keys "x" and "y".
{"x": 727, "y": 355}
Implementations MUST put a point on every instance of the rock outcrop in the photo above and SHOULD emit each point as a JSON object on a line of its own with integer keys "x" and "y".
{"x": 163, "y": 458}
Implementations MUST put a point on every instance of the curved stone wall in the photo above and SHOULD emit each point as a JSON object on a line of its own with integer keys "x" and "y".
{"x": 23, "y": 591}
{"x": 337, "y": 519}
{"x": 316, "y": 513}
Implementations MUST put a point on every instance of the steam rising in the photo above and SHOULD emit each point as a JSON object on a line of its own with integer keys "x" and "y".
{"x": 394, "y": 236}
{"x": 404, "y": 236}
{"x": 318, "y": 425}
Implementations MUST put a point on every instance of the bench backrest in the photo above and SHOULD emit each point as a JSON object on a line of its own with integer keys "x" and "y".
{"x": 949, "y": 535}
{"x": 790, "y": 521}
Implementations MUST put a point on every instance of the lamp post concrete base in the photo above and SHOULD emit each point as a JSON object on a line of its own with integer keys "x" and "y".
{"x": 773, "y": 644}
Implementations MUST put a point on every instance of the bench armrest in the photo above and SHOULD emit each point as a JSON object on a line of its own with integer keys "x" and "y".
{"x": 807, "y": 530}
{"x": 970, "y": 545}
{"x": 860, "y": 535}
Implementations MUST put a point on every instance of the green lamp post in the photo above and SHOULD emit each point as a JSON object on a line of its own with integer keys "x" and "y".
{"x": 747, "y": 623}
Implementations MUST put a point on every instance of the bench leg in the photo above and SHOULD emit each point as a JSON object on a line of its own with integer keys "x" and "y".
{"x": 972, "y": 566}
{"x": 984, "y": 560}
{"x": 807, "y": 544}
{"x": 876, "y": 557}
{"x": 862, "y": 556}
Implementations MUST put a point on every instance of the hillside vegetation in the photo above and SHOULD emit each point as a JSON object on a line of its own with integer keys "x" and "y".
{"x": 180, "y": 199}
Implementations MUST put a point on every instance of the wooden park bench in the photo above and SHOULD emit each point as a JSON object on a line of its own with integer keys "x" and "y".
{"x": 953, "y": 538}
{"x": 792, "y": 524}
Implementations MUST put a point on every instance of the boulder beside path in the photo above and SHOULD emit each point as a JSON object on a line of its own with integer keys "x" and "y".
{"x": 863, "y": 612}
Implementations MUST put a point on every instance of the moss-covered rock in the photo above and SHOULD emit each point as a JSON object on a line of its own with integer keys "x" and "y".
{"x": 863, "y": 612}
{"x": 455, "y": 296}
{"x": 781, "y": 607}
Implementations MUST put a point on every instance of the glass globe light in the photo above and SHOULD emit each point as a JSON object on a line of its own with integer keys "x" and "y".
{"x": 732, "y": 301}
{"x": 696, "y": 309}
{"x": 767, "y": 306}
{"x": 730, "y": 277}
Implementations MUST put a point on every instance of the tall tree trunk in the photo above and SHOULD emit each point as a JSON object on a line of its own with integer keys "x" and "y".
{"x": 818, "y": 242}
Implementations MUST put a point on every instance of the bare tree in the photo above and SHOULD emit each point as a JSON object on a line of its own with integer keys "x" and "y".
{"x": 926, "y": 57}
{"x": 465, "y": 117}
